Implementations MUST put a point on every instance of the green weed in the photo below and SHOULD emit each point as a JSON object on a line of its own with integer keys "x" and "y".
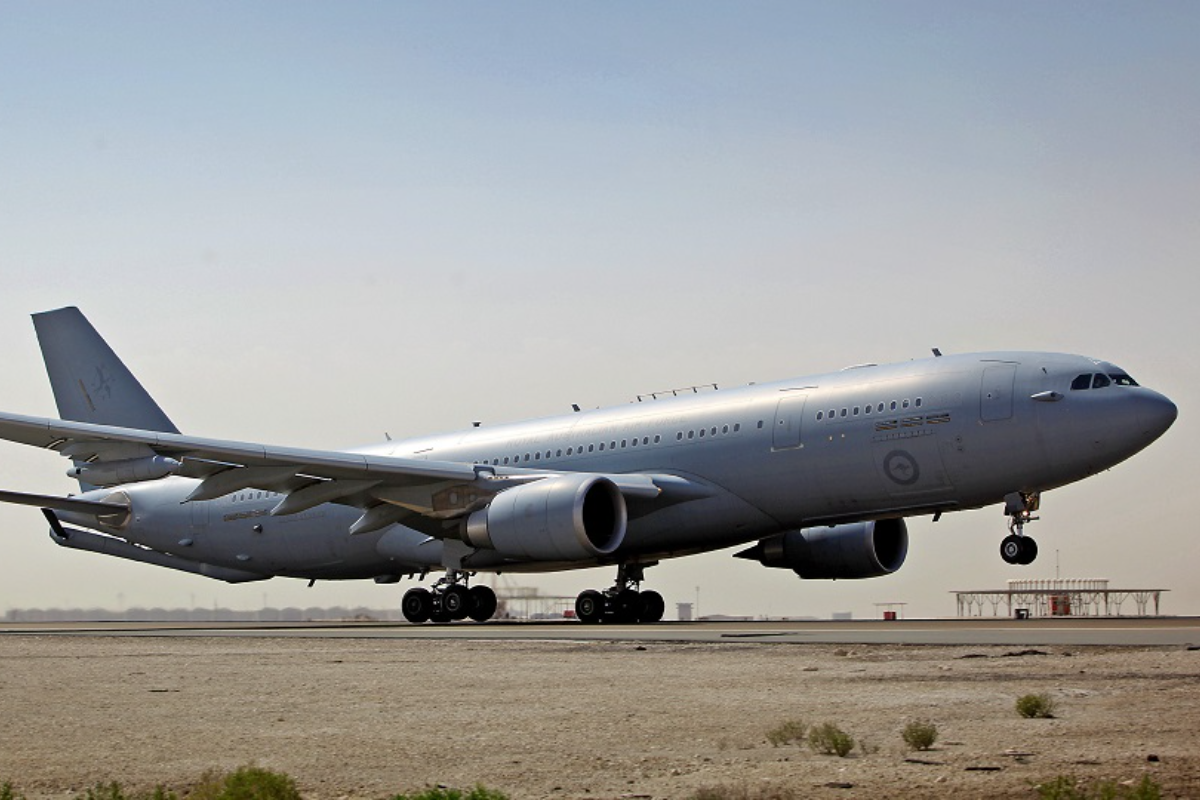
{"x": 1066, "y": 787}
{"x": 792, "y": 730}
{"x": 920, "y": 734}
{"x": 831, "y": 740}
{"x": 1036, "y": 706}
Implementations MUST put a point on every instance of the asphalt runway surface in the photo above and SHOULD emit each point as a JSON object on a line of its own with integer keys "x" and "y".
{"x": 1069, "y": 631}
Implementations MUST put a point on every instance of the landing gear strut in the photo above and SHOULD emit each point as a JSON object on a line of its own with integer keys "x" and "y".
{"x": 623, "y": 603}
{"x": 1017, "y": 548}
{"x": 449, "y": 600}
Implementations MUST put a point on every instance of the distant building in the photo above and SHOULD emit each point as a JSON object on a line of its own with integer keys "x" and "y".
{"x": 1058, "y": 597}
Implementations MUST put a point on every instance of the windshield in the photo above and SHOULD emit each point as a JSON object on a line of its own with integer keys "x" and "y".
{"x": 1100, "y": 380}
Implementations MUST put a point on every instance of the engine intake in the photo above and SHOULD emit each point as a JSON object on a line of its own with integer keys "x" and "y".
{"x": 856, "y": 550}
{"x": 567, "y": 518}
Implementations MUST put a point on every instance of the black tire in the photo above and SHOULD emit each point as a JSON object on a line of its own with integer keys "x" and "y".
{"x": 417, "y": 605}
{"x": 456, "y": 601}
{"x": 1011, "y": 549}
{"x": 482, "y": 603}
{"x": 589, "y": 607}
{"x": 651, "y": 607}
{"x": 627, "y": 606}
{"x": 1029, "y": 550}
{"x": 439, "y": 616}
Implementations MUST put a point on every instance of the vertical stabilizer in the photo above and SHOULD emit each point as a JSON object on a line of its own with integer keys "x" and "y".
{"x": 90, "y": 382}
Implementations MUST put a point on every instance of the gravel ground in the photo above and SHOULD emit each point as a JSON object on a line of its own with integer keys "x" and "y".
{"x": 362, "y": 718}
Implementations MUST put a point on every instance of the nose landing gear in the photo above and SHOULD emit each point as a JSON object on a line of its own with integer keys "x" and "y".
{"x": 1017, "y": 548}
{"x": 623, "y": 603}
{"x": 449, "y": 600}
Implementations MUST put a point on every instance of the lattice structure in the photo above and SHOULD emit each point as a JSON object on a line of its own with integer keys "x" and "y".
{"x": 1058, "y": 597}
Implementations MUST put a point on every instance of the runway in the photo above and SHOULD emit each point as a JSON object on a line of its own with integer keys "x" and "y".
{"x": 1074, "y": 631}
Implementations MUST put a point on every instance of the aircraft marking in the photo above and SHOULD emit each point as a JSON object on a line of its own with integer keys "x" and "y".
{"x": 901, "y": 467}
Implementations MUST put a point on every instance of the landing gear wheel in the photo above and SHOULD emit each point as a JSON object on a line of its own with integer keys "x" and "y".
{"x": 456, "y": 601}
{"x": 1018, "y": 550}
{"x": 651, "y": 607}
{"x": 1029, "y": 550}
{"x": 439, "y": 616}
{"x": 589, "y": 607}
{"x": 627, "y": 606}
{"x": 1011, "y": 549}
{"x": 482, "y": 603}
{"x": 417, "y": 605}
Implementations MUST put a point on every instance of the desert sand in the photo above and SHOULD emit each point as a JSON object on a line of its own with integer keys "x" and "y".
{"x": 370, "y": 718}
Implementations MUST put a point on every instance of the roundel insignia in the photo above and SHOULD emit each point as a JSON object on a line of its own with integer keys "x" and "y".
{"x": 901, "y": 468}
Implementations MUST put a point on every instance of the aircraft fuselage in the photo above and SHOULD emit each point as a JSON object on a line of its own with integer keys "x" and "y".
{"x": 866, "y": 443}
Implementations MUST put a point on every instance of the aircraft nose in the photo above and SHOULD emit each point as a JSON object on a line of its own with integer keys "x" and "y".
{"x": 1157, "y": 413}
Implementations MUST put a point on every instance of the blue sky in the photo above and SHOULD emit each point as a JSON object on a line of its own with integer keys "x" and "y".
{"x": 309, "y": 223}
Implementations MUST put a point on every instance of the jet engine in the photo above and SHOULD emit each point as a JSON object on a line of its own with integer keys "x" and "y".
{"x": 566, "y": 518}
{"x": 857, "y": 550}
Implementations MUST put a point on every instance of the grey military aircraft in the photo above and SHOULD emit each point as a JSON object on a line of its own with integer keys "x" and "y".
{"x": 819, "y": 473}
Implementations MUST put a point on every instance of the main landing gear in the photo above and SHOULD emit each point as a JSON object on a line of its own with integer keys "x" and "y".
{"x": 1017, "y": 548}
{"x": 450, "y": 600}
{"x": 623, "y": 603}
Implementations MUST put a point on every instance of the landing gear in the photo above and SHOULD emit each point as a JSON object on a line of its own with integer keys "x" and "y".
{"x": 417, "y": 605}
{"x": 623, "y": 603}
{"x": 449, "y": 601}
{"x": 590, "y": 606}
{"x": 483, "y": 603}
{"x": 1017, "y": 548}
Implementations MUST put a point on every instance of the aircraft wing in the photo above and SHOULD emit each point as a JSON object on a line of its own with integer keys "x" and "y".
{"x": 56, "y": 434}
{"x": 388, "y": 489}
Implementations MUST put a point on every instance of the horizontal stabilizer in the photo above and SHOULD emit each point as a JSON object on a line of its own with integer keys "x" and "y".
{"x": 70, "y": 504}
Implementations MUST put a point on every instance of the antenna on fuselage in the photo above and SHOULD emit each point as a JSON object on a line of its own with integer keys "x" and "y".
{"x": 575, "y": 407}
{"x": 937, "y": 353}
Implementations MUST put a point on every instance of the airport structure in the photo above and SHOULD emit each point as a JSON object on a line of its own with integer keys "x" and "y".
{"x": 1058, "y": 597}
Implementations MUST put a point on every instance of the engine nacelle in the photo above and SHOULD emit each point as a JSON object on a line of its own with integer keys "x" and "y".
{"x": 568, "y": 518}
{"x": 857, "y": 550}
{"x": 133, "y": 470}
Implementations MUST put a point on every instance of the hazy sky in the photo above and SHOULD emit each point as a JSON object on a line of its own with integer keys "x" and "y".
{"x": 314, "y": 223}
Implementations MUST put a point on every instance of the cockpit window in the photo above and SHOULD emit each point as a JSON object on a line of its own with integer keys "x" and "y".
{"x": 1100, "y": 380}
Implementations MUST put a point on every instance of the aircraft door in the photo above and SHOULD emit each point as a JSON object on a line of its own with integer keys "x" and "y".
{"x": 200, "y": 515}
{"x": 996, "y": 393}
{"x": 789, "y": 418}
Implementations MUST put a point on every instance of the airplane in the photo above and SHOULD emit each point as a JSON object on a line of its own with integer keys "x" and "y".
{"x": 817, "y": 474}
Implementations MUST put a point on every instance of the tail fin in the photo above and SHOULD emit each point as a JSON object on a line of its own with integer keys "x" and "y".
{"x": 90, "y": 382}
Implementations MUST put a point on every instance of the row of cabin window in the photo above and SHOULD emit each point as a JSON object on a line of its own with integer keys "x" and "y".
{"x": 710, "y": 432}
{"x": 574, "y": 451}
{"x": 613, "y": 445}
{"x": 895, "y": 404}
